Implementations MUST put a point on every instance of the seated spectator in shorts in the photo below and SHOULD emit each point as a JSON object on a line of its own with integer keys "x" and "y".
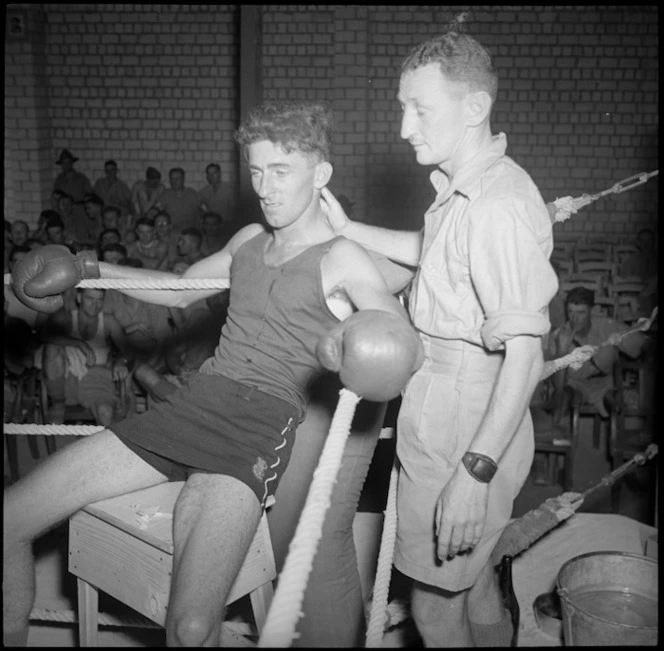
{"x": 189, "y": 246}
{"x": 215, "y": 233}
{"x": 112, "y": 190}
{"x": 83, "y": 356}
{"x": 146, "y": 193}
{"x": 183, "y": 204}
{"x": 594, "y": 379}
{"x": 20, "y": 232}
{"x": 197, "y": 331}
{"x": 147, "y": 248}
{"x": 165, "y": 232}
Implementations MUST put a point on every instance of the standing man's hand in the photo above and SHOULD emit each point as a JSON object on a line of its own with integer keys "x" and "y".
{"x": 335, "y": 214}
{"x": 460, "y": 514}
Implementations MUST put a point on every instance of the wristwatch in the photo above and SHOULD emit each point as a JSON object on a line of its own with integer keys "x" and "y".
{"x": 479, "y": 466}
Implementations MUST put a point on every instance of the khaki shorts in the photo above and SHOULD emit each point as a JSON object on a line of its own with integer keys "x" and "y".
{"x": 442, "y": 407}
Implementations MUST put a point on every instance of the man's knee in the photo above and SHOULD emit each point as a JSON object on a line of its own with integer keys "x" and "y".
{"x": 192, "y": 629}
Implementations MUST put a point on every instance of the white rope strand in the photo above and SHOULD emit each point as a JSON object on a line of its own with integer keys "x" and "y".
{"x": 285, "y": 611}
{"x": 379, "y": 614}
{"x": 148, "y": 283}
{"x": 52, "y": 429}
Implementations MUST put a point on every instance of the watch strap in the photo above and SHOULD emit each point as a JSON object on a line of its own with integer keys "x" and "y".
{"x": 480, "y": 466}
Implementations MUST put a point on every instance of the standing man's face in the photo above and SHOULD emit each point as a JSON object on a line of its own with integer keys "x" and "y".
{"x": 176, "y": 180}
{"x": 434, "y": 114}
{"x": 111, "y": 172}
{"x": 213, "y": 176}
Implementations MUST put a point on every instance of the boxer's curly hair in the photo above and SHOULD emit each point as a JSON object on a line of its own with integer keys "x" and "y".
{"x": 305, "y": 126}
{"x": 461, "y": 59}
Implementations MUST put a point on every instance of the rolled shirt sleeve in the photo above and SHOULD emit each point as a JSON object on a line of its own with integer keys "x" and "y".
{"x": 510, "y": 271}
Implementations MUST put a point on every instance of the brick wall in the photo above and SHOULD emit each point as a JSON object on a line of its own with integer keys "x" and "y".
{"x": 28, "y": 180}
{"x": 144, "y": 85}
{"x": 157, "y": 84}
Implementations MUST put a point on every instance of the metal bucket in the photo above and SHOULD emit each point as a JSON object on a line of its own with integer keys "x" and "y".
{"x": 609, "y": 599}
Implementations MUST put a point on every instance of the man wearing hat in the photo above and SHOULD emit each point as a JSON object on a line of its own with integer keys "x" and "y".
{"x": 76, "y": 185}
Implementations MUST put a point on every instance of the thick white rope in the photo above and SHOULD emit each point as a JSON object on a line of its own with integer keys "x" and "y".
{"x": 379, "y": 615}
{"x": 563, "y": 208}
{"x": 574, "y": 359}
{"x": 285, "y": 610}
{"x": 149, "y": 283}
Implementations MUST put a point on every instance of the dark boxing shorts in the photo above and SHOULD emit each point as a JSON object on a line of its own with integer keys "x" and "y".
{"x": 216, "y": 425}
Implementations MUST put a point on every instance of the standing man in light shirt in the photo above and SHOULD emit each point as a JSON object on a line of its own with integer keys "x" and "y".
{"x": 112, "y": 190}
{"x": 183, "y": 204}
{"x": 479, "y": 301}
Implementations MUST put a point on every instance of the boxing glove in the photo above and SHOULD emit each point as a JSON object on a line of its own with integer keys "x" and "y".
{"x": 43, "y": 274}
{"x": 375, "y": 353}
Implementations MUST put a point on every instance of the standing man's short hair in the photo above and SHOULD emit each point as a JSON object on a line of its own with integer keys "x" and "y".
{"x": 214, "y": 166}
{"x": 305, "y": 126}
{"x": 461, "y": 59}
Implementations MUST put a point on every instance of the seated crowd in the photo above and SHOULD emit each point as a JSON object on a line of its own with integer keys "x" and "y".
{"x": 101, "y": 339}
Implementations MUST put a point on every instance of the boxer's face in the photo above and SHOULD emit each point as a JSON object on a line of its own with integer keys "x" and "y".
{"x": 287, "y": 183}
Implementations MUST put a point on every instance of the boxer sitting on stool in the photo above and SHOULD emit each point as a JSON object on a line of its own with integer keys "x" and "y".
{"x": 229, "y": 432}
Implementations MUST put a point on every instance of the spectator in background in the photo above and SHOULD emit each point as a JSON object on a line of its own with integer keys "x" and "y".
{"x": 148, "y": 248}
{"x": 595, "y": 378}
{"x": 40, "y": 231}
{"x": 111, "y": 218}
{"x": 108, "y": 236}
{"x": 181, "y": 203}
{"x": 164, "y": 229}
{"x": 76, "y": 185}
{"x": 113, "y": 253}
{"x": 20, "y": 232}
{"x": 145, "y": 194}
{"x": 189, "y": 246}
{"x": 215, "y": 233}
{"x": 79, "y": 361}
{"x": 75, "y": 222}
{"x": 112, "y": 190}
{"x": 56, "y": 195}
{"x": 217, "y": 196}
{"x": 56, "y": 234}
{"x": 93, "y": 209}
{"x": 643, "y": 263}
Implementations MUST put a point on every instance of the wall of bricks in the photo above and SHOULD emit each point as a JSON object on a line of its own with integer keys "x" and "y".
{"x": 157, "y": 84}
{"x": 28, "y": 144}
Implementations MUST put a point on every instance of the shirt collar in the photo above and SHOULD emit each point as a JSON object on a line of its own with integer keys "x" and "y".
{"x": 468, "y": 176}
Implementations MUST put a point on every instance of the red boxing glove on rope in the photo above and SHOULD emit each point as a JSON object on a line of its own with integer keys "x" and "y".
{"x": 375, "y": 352}
{"x": 39, "y": 279}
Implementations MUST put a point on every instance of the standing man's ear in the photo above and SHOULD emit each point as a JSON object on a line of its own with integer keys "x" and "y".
{"x": 323, "y": 174}
{"x": 479, "y": 107}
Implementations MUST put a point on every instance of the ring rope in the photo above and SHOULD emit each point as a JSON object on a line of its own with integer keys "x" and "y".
{"x": 563, "y": 208}
{"x": 379, "y": 615}
{"x": 574, "y": 359}
{"x": 285, "y": 610}
{"x": 148, "y": 283}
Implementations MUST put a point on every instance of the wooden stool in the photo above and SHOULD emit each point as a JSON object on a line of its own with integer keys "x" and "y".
{"x": 124, "y": 547}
